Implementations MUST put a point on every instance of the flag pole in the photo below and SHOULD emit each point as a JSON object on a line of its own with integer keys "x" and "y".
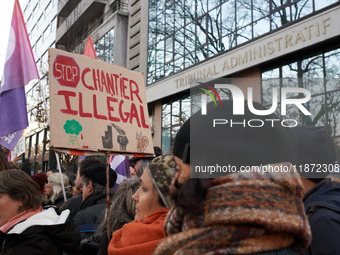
{"x": 61, "y": 176}
{"x": 108, "y": 199}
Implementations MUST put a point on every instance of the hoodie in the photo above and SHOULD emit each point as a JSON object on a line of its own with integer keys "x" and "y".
{"x": 322, "y": 205}
{"x": 43, "y": 233}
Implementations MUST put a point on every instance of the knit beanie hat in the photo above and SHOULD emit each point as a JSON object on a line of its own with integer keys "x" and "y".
{"x": 41, "y": 180}
{"x": 97, "y": 172}
{"x": 316, "y": 148}
{"x": 162, "y": 170}
{"x": 243, "y": 140}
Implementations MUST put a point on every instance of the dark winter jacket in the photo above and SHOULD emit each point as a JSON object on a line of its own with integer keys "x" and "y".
{"x": 322, "y": 205}
{"x": 91, "y": 214}
{"x": 73, "y": 204}
{"x": 58, "y": 202}
{"x": 43, "y": 233}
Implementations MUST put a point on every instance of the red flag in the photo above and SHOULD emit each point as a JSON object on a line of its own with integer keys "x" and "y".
{"x": 89, "y": 49}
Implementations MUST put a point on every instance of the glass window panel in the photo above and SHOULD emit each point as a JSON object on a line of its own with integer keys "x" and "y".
{"x": 179, "y": 44}
{"x": 228, "y": 42}
{"x": 270, "y": 80}
{"x": 244, "y": 34}
{"x": 33, "y": 137}
{"x": 39, "y": 42}
{"x": 228, "y": 17}
{"x": 292, "y": 112}
{"x": 54, "y": 23}
{"x": 195, "y": 102}
{"x": 189, "y": 38}
{"x": 166, "y": 115}
{"x": 169, "y": 69}
{"x": 152, "y": 9}
{"x": 260, "y": 9}
{"x": 160, "y": 54}
{"x": 202, "y": 54}
{"x": 151, "y": 60}
{"x": 278, "y": 3}
{"x": 46, "y": 33}
{"x": 333, "y": 109}
{"x": 332, "y": 63}
{"x": 213, "y": 4}
{"x": 104, "y": 47}
{"x": 169, "y": 4}
{"x": 179, "y": 14}
{"x": 189, "y": 60}
{"x": 332, "y": 84}
{"x": 268, "y": 86}
{"x": 214, "y": 24}
{"x": 316, "y": 106}
{"x": 312, "y": 68}
{"x": 30, "y": 101}
{"x": 48, "y": 9}
{"x": 243, "y": 13}
{"x": 40, "y": 142}
{"x": 290, "y": 75}
{"x": 315, "y": 86}
{"x": 322, "y": 4}
{"x": 280, "y": 18}
{"x": 34, "y": 30}
{"x": 301, "y": 9}
{"x": 224, "y": 94}
{"x": 160, "y": 73}
{"x": 151, "y": 77}
{"x": 179, "y": 64}
{"x": 152, "y": 31}
{"x": 160, "y": 27}
{"x": 173, "y": 136}
{"x": 201, "y": 32}
{"x": 40, "y": 19}
{"x": 169, "y": 49}
{"x": 202, "y": 7}
{"x": 261, "y": 26}
{"x": 290, "y": 70}
{"x": 169, "y": 20}
{"x": 160, "y": 5}
{"x": 214, "y": 47}
{"x": 166, "y": 141}
{"x": 175, "y": 113}
{"x": 189, "y": 11}
{"x": 185, "y": 109}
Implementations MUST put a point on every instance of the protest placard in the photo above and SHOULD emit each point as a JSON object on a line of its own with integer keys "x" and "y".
{"x": 97, "y": 106}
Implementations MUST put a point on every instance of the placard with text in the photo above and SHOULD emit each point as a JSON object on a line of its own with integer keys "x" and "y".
{"x": 97, "y": 106}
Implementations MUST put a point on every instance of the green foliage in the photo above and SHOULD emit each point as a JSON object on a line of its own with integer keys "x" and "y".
{"x": 72, "y": 127}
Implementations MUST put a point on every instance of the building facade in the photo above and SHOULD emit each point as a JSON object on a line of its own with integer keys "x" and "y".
{"x": 175, "y": 44}
{"x": 41, "y": 23}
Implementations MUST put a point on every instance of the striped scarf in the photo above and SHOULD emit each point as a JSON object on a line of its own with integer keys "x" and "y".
{"x": 244, "y": 213}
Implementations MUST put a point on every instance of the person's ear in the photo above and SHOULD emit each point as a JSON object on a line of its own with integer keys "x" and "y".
{"x": 90, "y": 187}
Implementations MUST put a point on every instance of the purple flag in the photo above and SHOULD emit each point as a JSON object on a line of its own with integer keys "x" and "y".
{"x": 121, "y": 165}
{"x": 19, "y": 70}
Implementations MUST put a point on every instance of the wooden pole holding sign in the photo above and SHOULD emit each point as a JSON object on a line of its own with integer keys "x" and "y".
{"x": 108, "y": 199}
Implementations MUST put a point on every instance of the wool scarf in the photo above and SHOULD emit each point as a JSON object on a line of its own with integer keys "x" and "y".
{"x": 244, "y": 213}
{"x": 19, "y": 218}
{"x": 139, "y": 237}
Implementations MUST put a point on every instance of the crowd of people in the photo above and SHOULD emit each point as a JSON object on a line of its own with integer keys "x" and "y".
{"x": 162, "y": 209}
